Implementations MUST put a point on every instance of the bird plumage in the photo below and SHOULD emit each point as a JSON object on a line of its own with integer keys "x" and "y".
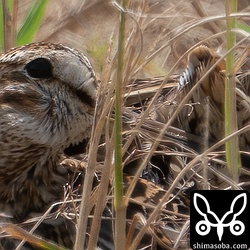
{"x": 47, "y": 101}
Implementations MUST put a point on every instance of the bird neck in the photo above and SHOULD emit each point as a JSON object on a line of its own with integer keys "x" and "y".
{"x": 31, "y": 188}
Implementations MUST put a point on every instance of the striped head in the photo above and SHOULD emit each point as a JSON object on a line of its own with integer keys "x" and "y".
{"x": 47, "y": 101}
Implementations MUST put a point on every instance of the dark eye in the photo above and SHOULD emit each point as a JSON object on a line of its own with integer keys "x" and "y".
{"x": 39, "y": 68}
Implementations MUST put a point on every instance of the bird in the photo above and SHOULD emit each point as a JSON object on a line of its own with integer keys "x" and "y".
{"x": 47, "y": 103}
{"x": 203, "y": 85}
{"x": 48, "y": 95}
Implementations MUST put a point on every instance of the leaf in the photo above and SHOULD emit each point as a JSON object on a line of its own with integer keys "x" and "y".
{"x": 243, "y": 26}
{"x": 1, "y": 28}
{"x": 32, "y": 23}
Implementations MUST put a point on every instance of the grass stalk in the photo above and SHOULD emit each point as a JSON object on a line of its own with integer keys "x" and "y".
{"x": 8, "y": 27}
{"x": 19, "y": 233}
{"x": 120, "y": 209}
{"x": 85, "y": 206}
{"x": 232, "y": 145}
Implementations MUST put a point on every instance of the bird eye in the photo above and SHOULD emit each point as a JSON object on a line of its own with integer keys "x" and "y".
{"x": 39, "y": 68}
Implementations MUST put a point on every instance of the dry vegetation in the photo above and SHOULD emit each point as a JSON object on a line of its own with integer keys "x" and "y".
{"x": 158, "y": 37}
{"x": 168, "y": 28}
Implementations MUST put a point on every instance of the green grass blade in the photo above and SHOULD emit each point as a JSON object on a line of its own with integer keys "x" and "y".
{"x": 232, "y": 145}
{"x": 32, "y": 23}
{"x": 243, "y": 26}
{"x": 1, "y": 28}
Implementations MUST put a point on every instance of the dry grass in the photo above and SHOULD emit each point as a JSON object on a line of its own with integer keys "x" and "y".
{"x": 143, "y": 143}
{"x": 159, "y": 35}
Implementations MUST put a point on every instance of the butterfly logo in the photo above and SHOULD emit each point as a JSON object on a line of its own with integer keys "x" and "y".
{"x": 229, "y": 219}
